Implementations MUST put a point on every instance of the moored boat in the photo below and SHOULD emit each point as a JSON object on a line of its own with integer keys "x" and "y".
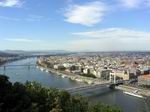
{"x": 42, "y": 69}
{"x": 47, "y": 71}
{"x": 133, "y": 94}
{"x": 64, "y": 76}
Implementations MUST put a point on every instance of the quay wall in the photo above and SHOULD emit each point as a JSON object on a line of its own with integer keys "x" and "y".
{"x": 72, "y": 76}
{"x": 143, "y": 92}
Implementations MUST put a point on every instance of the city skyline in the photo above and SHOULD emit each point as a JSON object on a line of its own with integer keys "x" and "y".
{"x": 75, "y": 25}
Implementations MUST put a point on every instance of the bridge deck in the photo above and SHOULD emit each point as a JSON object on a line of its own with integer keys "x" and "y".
{"x": 17, "y": 65}
{"x": 90, "y": 89}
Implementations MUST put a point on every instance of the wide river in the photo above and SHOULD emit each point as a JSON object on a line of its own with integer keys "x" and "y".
{"x": 23, "y": 74}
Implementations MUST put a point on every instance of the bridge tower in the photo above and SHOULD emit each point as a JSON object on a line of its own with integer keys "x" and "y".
{"x": 112, "y": 78}
{"x": 4, "y": 68}
{"x": 112, "y": 81}
{"x": 29, "y": 67}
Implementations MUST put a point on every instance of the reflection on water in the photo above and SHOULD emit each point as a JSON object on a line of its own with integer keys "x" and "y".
{"x": 23, "y": 73}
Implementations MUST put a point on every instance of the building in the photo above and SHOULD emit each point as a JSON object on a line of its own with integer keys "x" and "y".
{"x": 105, "y": 74}
{"x": 59, "y": 67}
{"x": 121, "y": 75}
{"x": 97, "y": 73}
{"x": 67, "y": 65}
{"x": 144, "y": 80}
{"x": 126, "y": 75}
{"x": 86, "y": 71}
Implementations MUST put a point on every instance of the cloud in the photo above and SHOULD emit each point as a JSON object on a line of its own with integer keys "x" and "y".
{"x": 92, "y": 13}
{"x": 114, "y": 33}
{"x": 21, "y": 40}
{"x": 11, "y": 3}
{"x": 9, "y": 18}
{"x": 111, "y": 39}
{"x": 135, "y": 3}
{"x": 87, "y": 14}
{"x": 32, "y": 18}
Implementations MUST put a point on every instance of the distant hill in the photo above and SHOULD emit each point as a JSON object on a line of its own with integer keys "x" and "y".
{"x": 14, "y": 51}
{"x": 37, "y": 52}
{"x": 3, "y": 54}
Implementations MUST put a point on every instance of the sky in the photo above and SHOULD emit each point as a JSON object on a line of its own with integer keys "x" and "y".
{"x": 75, "y": 25}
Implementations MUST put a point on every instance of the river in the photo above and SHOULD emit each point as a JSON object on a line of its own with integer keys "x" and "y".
{"x": 23, "y": 74}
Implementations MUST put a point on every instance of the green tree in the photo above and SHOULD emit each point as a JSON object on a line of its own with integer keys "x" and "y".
{"x": 103, "y": 108}
{"x": 79, "y": 104}
{"x": 32, "y": 97}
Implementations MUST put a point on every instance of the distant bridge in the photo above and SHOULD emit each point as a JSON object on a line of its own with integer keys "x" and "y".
{"x": 26, "y": 65}
{"x": 17, "y": 65}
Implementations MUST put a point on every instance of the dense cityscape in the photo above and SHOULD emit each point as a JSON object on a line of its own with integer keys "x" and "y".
{"x": 133, "y": 67}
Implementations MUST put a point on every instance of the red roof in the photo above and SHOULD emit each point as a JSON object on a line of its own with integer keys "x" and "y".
{"x": 146, "y": 76}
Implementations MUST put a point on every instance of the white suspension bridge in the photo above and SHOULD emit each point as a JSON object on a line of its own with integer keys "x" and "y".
{"x": 95, "y": 89}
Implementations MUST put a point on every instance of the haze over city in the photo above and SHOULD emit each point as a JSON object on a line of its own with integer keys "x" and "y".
{"x": 75, "y": 25}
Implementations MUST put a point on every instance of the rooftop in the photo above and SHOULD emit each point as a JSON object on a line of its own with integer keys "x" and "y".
{"x": 146, "y": 76}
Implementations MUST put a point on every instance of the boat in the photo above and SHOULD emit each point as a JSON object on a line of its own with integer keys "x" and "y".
{"x": 64, "y": 76}
{"x": 47, "y": 71}
{"x": 42, "y": 69}
{"x": 133, "y": 94}
{"x": 79, "y": 80}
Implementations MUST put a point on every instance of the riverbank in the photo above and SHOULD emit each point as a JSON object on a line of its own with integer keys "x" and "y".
{"x": 143, "y": 92}
{"x": 72, "y": 76}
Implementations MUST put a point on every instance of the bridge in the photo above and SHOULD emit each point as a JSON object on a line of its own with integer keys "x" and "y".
{"x": 95, "y": 89}
{"x": 25, "y": 65}
{"x": 90, "y": 89}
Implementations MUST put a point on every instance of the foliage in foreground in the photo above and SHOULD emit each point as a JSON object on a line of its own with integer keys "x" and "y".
{"x": 32, "y": 97}
{"x": 148, "y": 103}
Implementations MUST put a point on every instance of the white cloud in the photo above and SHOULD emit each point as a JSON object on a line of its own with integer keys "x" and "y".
{"x": 11, "y": 3}
{"x": 135, "y": 3}
{"x": 30, "y": 18}
{"x": 21, "y": 40}
{"x": 114, "y": 33}
{"x": 36, "y": 18}
{"x": 88, "y": 14}
{"x": 111, "y": 39}
{"x": 9, "y": 18}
